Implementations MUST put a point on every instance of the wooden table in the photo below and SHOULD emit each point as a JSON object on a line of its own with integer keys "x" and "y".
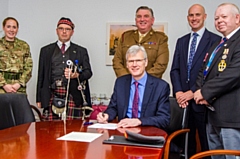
{"x": 38, "y": 141}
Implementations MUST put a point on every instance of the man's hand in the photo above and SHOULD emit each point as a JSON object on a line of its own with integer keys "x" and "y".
{"x": 69, "y": 74}
{"x": 39, "y": 105}
{"x": 129, "y": 122}
{"x": 183, "y": 98}
{"x": 179, "y": 98}
{"x": 198, "y": 96}
{"x": 188, "y": 95}
{"x": 178, "y": 95}
{"x": 102, "y": 118}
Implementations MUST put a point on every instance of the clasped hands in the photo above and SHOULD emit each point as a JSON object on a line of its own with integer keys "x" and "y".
{"x": 11, "y": 88}
{"x": 126, "y": 122}
{"x": 183, "y": 98}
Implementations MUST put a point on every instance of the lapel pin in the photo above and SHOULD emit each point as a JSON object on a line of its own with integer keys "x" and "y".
{"x": 224, "y": 57}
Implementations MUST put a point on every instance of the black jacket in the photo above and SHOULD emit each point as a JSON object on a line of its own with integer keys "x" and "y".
{"x": 76, "y": 52}
{"x": 220, "y": 88}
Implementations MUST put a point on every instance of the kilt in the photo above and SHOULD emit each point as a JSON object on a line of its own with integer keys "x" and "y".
{"x": 73, "y": 111}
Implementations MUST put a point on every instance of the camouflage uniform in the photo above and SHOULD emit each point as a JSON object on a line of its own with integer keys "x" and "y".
{"x": 15, "y": 63}
{"x": 156, "y": 46}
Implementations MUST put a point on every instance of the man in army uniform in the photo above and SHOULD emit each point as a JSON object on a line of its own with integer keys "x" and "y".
{"x": 15, "y": 59}
{"x": 154, "y": 42}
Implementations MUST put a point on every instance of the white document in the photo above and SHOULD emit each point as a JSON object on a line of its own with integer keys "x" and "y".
{"x": 110, "y": 126}
{"x": 80, "y": 136}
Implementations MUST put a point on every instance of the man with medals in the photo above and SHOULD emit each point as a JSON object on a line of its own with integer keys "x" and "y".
{"x": 218, "y": 83}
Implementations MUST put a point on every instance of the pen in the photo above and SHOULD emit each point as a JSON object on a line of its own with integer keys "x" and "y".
{"x": 88, "y": 123}
{"x": 103, "y": 114}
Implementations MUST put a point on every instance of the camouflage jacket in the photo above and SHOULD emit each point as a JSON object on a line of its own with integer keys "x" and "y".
{"x": 15, "y": 58}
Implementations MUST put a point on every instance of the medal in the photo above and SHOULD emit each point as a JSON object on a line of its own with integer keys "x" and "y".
{"x": 225, "y": 52}
{"x": 222, "y": 65}
{"x": 224, "y": 57}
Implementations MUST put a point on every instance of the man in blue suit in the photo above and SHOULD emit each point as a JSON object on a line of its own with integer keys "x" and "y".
{"x": 145, "y": 103}
{"x": 188, "y": 58}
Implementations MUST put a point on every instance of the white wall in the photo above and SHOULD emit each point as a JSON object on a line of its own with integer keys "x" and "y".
{"x": 3, "y": 12}
{"x": 38, "y": 21}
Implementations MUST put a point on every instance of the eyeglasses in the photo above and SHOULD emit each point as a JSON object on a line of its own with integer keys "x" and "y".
{"x": 138, "y": 61}
{"x": 64, "y": 29}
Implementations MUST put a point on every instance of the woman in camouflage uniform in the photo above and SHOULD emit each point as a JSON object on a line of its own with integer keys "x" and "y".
{"x": 15, "y": 59}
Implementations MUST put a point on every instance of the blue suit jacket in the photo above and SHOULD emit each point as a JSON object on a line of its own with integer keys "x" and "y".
{"x": 178, "y": 71}
{"x": 155, "y": 106}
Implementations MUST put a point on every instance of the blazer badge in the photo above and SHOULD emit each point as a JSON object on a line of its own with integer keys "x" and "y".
{"x": 222, "y": 65}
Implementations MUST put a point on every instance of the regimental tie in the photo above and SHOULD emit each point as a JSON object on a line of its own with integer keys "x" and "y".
{"x": 191, "y": 54}
{"x": 212, "y": 56}
{"x": 63, "y": 48}
{"x": 135, "y": 101}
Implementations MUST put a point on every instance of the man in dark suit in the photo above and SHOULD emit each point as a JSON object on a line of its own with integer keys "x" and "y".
{"x": 54, "y": 73}
{"x": 185, "y": 67}
{"x": 138, "y": 98}
{"x": 218, "y": 82}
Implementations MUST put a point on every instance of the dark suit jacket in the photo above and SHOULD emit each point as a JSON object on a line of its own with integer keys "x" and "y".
{"x": 178, "y": 71}
{"x": 222, "y": 89}
{"x": 155, "y": 106}
{"x": 44, "y": 73}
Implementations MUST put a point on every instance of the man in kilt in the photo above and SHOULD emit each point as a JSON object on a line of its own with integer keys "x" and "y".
{"x": 63, "y": 71}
